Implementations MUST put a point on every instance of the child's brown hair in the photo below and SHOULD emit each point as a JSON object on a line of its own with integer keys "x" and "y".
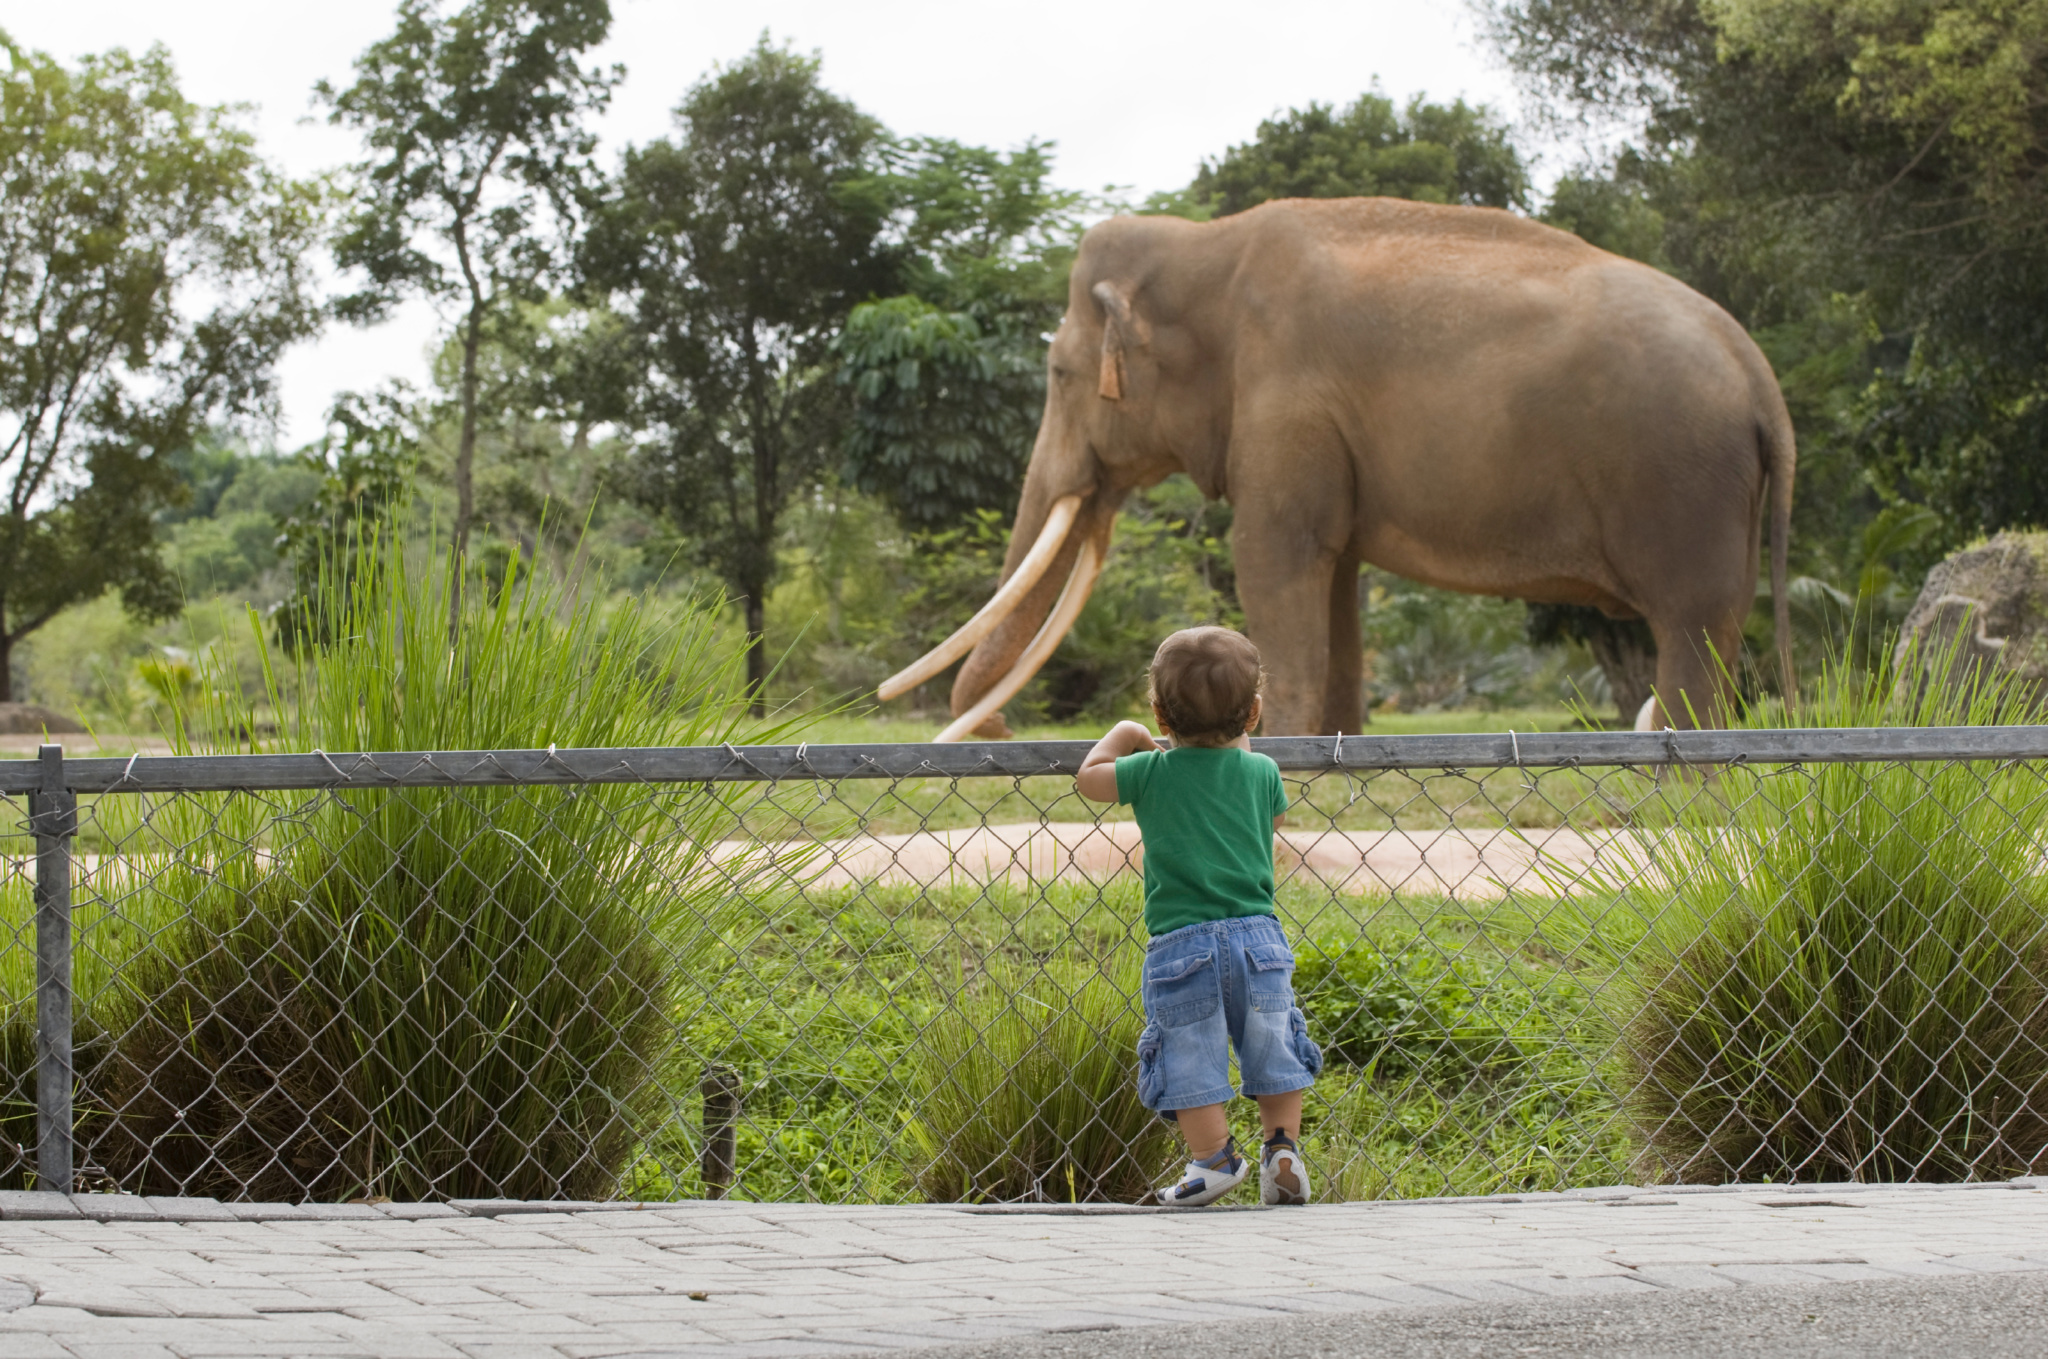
{"x": 1204, "y": 682}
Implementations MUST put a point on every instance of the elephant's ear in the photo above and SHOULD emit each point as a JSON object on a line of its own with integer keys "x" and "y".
{"x": 1117, "y": 331}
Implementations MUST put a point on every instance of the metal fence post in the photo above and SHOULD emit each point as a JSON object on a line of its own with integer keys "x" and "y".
{"x": 53, "y": 817}
{"x": 721, "y": 1119}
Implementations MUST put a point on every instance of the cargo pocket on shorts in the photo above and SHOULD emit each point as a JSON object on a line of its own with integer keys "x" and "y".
{"x": 1151, "y": 1071}
{"x": 1182, "y": 990}
{"x": 1305, "y": 1049}
{"x": 1271, "y": 971}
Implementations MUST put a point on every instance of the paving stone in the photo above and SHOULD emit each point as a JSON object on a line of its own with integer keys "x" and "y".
{"x": 418, "y": 1212}
{"x": 1587, "y": 1286}
{"x": 1684, "y": 1276}
{"x": 118, "y": 1349}
{"x": 28, "y": 1345}
{"x": 102, "y": 1301}
{"x": 190, "y": 1210}
{"x": 342, "y": 1212}
{"x": 399, "y": 1281}
{"x": 114, "y": 1208}
{"x": 269, "y": 1212}
{"x": 28, "y": 1205}
{"x": 495, "y": 1208}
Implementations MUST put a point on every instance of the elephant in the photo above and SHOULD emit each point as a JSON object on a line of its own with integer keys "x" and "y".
{"x": 1461, "y": 396}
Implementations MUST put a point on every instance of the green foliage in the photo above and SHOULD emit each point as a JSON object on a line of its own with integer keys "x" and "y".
{"x": 1456, "y": 1066}
{"x": 1842, "y": 977}
{"x": 1409, "y": 1010}
{"x": 944, "y": 412}
{"x": 152, "y": 269}
{"x": 446, "y": 993}
{"x": 948, "y": 380}
{"x": 735, "y": 253}
{"x": 478, "y": 154}
{"x": 1433, "y": 153}
{"x": 1858, "y": 627}
{"x": 365, "y": 467}
{"x": 1551, "y": 1127}
{"x": 1612, "y": 213}
{"x": 1439, "y": 649}
{"x": 1030, "y": 1088}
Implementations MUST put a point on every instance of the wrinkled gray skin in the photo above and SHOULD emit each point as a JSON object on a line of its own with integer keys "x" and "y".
{"x": 1457, "y": 395}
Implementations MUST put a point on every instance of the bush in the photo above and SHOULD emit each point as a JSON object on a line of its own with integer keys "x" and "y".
{"x": 1032, "y": 1092}
{"x": 424, "y": 992}
{"x": 1847, "y": 975}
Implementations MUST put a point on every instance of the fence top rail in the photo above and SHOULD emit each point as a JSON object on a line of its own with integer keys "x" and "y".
{"x": 728, "y": 764}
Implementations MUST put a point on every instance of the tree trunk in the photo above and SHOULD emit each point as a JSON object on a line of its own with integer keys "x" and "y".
{"x": 757, "y": 652}
{"x": 465, "y": 447}
{"x": 1629, "y": 660}
{"x": 6, "y": 668}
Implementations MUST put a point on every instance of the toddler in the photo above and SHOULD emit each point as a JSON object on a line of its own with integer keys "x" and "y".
{"x": 1218, "y": 972}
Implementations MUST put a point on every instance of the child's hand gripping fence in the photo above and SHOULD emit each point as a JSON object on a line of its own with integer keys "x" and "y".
{"x": 889, "y": 973}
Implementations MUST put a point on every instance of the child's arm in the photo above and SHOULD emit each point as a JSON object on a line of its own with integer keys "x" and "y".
{"x": 1097, "y": 779}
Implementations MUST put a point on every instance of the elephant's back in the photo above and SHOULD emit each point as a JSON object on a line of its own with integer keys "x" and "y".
{"x": 1386, "y": 285}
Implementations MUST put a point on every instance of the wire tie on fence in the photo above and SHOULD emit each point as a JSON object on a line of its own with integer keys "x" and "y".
{"x": 1337, "y": 753}
{"x": 331, "y": 764}
{"x": 128, "y": 769}
{"x": 554, "y": 759}
{"x": 1515, "y": 742}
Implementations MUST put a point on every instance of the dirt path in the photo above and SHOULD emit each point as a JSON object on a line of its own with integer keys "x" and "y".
{"x": 1459, "y": 864}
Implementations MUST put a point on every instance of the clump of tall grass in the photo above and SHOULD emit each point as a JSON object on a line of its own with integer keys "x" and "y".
{"x": 425, "y": 992}
{"x": 1840, "y": 972}
{"x": 1030, "y": 1081}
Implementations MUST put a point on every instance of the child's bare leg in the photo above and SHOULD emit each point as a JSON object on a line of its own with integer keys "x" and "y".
{"x": 1277, "y": 1113}
{"x": 1206, "y": 1129}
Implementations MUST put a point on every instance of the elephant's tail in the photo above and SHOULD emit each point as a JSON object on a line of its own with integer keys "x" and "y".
{"x": 1780, "y": 456}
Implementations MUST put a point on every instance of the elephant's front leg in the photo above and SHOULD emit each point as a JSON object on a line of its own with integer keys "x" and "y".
{"x": 1344, "y": 694}
{"x": 1288, "y": 558}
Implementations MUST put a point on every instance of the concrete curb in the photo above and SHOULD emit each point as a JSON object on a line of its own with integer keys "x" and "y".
{"x": 18, "y": 1205}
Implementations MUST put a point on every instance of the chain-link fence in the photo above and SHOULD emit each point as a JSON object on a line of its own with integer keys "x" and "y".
{"x": 889, "y": 973}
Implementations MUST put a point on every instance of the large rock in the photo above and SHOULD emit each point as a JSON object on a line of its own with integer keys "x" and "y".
{"x": 1990, "y": 602}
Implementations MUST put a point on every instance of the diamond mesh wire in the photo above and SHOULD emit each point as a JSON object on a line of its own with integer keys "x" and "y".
{"x": 925, "y": 986}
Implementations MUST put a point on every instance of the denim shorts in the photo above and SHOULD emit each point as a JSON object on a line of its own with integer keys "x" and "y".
{"x": 1209, "y": 988}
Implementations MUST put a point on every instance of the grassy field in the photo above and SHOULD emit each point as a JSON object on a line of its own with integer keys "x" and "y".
{"x": 1462, "y": 1047}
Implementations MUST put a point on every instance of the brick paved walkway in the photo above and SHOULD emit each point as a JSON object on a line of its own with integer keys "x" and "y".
{"x": 107, "y": 1277}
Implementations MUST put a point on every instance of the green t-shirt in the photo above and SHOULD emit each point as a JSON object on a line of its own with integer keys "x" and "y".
{"x": 1207, "y": 817}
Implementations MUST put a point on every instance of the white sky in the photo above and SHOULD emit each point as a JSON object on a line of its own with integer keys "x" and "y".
{"x": 1134, "y": 94}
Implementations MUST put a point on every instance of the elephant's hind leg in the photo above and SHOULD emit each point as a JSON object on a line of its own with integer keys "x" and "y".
{"x": 1696, "y": 664}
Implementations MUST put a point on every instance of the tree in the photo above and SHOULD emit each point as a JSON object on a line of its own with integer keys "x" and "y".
{"x": 735, "y": 253}
{"x": 948, "y": 379}
{"x": 151, "y": 272}
{"x": 479, "y": 154}
{"x": 1433, "y": 153}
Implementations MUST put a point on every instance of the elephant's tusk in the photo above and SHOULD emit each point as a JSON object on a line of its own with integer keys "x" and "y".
{"x": 1001, "y": 605}
{"x": 1079, "y": 586}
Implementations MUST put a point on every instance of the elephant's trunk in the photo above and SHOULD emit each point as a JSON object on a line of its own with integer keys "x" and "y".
{"x": 1014, "y": 650}
{"x": 1056, "y": 553}
{"x": 1048, "y": 544}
